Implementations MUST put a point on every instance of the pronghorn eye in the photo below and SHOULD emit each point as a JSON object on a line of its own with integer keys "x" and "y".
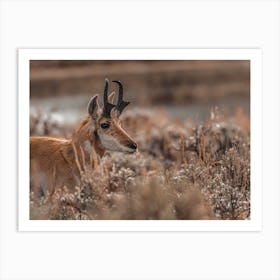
{"x": 105, "y": 125}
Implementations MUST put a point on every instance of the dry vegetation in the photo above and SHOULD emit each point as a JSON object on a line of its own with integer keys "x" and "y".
{"x": 183, "y": 170}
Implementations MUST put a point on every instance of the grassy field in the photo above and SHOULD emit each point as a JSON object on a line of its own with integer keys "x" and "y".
{"x": 184, "y": 169}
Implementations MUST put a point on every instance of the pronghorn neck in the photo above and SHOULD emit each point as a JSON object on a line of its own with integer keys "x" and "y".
{"x": 86, "y": 141}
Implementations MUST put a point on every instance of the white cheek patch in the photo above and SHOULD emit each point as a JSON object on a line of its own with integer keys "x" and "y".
{"x": 112, "y": 144}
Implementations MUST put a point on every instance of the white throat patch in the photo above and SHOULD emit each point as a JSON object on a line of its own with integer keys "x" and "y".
{"x": 88, "y": 147}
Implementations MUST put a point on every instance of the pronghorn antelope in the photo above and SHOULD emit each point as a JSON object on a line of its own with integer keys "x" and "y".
{"x": 55, "y": 163}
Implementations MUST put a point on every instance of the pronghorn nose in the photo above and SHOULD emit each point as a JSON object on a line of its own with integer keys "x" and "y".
{"x": 133, "y": 146}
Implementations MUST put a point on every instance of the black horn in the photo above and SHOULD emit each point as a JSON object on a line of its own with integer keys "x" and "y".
{"x": 107, "y": 107}
{"x": 120, "y": 104}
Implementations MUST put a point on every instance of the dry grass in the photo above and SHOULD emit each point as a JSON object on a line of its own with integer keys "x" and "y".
{"x": 183, "y": 170}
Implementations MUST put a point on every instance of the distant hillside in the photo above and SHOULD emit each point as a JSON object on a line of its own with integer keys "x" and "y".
{"x": 146, "y": 82}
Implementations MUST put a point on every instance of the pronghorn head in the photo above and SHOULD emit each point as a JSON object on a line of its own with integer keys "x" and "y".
{"x": 106, "y": 121}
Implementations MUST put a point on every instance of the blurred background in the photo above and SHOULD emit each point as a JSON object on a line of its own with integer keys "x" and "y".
{"x": 190, "y": 120}
{"x": 183, "y": 88}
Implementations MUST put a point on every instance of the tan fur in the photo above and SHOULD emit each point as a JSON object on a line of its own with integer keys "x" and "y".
{"x": 55, "y": 163}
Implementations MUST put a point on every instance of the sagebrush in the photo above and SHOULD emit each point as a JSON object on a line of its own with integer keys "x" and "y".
{"x": 184, "y": 169}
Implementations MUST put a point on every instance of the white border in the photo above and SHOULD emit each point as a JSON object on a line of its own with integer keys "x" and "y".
{"x": 25, "y": 55}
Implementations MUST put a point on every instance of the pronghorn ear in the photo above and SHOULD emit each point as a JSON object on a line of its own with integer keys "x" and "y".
{"x": 93, "y": 106}
{"x": 111, "y": 97}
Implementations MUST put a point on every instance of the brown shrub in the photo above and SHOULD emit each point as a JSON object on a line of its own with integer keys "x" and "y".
{"x": 183, "y": 170}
